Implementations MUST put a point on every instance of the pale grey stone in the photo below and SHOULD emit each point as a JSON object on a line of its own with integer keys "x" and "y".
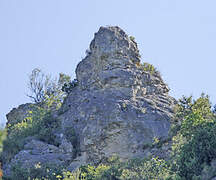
{"x": 116, "y": 108}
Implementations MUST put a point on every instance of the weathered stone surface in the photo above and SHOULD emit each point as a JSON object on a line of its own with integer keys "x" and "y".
{"x": 113, "y": 62}
{"x": 117, "y": 107}
{"x": 17, "y": 115}
{"x": 36, "y": 152}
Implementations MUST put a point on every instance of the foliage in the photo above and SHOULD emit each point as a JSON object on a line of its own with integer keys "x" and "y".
{"x": 94, "y": 173}
{"x": 43, "y": 87}
{"x": 3, "y": 134}
{"x": 193, "y": 139}
{"x": 134, "y": 169}
{"x": 38, "y": 172}
{"x": 151, "y": 168}
{"x": 202, "y": 106}
{"x": 68, "y": 87}
{"x": 194, "y": 145}
{"x": 148, "y": 68}
{"x": 132, "y": 38}
{"x": 43, "y": 172}
{"x": 40, "y": 124}
{"x": 67, "y": 175}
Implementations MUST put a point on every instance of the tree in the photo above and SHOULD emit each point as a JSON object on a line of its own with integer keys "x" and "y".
{"x": 194, "y": 145}
{"x": 43, "y": 87}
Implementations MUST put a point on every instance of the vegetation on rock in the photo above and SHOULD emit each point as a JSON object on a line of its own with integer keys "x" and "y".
{"x": 115, "y": 106}
{"x": 193, "y": 148}
{"x": 40, "y": 122}
{"x": 43, "y": 87}
{"x": 148, "y": 68}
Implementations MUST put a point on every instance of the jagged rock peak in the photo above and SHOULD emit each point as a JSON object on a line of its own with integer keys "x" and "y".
{"x": 118, "y": 105}
{"x": 114, "y": 41}
{"x": 114, "y": 62}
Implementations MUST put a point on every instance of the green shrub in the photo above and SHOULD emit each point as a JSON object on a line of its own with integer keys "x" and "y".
{"x": 40, "y": 124}
{"x": 38, "y": 172}
{"x": 194, "y": 145}
{"x": 197, "y": 150}
{"x": 3, "y": 135}
{"x": 132, "y": 38}
{"x": 95, "y": 173}
{"x": 148, "y": 68}
{"x": 44, "y": 172}
{"x": 77, "y": 175}
{"x": 43, "y": 87}
{"x": 135, "y": 169}
{"x": 68, "y": 87}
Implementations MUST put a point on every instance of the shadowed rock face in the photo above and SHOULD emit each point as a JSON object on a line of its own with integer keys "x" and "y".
{"x": 116, "y": 108}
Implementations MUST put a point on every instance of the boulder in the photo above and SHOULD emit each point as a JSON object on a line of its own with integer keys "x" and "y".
{"x": 37, "y": 152}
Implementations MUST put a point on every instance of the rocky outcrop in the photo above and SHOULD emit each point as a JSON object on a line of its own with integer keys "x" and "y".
{"x": 118, "y": 107}
{"x": 38, "y": 152}
{"x": 16, "y": 115}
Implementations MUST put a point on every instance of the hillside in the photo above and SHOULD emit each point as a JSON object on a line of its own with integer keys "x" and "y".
{"x": 116, "y": 120}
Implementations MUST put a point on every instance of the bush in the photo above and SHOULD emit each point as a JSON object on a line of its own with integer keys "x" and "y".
{"x": 148, "y": 68}
{"x": 134, "y": 169}
{"x": 194, "y": 145}
{"x": 39, "y": 124}
{"x": 43, "y": 87}
{"x": 196, "y": 151}
{"x": 38, "y": 172}
{"x": 68, "y": 87}
{"x": 3, "y": 134}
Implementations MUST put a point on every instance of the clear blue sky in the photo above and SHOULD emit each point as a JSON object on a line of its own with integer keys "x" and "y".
{"x": 177, "y": 36}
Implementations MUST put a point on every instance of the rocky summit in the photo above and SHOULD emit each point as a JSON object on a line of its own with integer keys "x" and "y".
{"x": 118, "y": 107}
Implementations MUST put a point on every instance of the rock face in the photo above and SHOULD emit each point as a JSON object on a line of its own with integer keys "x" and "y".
{"x": 16, "y": 115}
{"x": 38, "y": 152}
{"x": 118, "y": 107}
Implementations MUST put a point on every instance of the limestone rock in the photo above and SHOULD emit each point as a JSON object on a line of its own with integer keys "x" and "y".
{"x": 40, "y": 152}
{"x": 17, "y": 115}
{"x": 117, "y": 107}
{"x": 113, "y": 62}
{"x": 66, "y": 146}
